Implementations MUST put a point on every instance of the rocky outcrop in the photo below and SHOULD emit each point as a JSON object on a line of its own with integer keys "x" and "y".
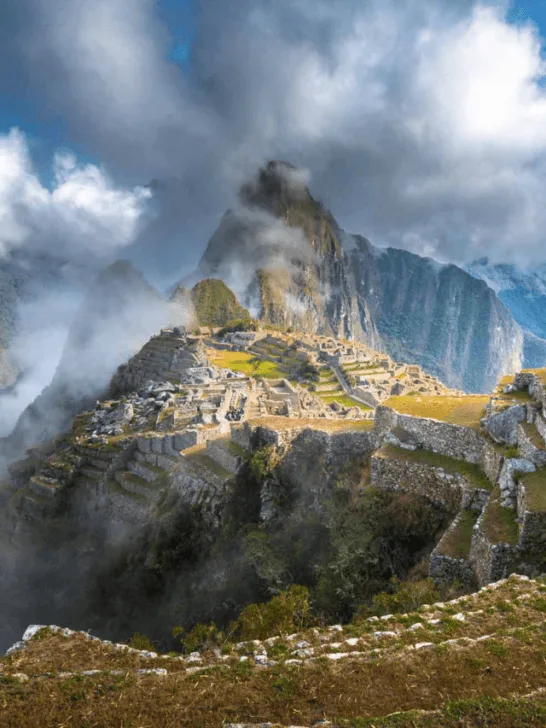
{"x": 295, "y": 267}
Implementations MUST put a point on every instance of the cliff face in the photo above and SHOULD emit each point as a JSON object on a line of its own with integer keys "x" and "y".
{"x": 287, "y": 258}
{"x": 524, "y": 293}
{"x": 437, "y": 315}
{"x": 281, "y": 252}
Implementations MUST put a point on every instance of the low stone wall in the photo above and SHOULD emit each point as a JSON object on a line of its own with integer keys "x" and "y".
{"x": 532, "y": 524}
{"x": 456, "y": 441}
{"x": 448, "y": 490}
{"x": 172, "y": 444}
{"x": 241, "y": 435}
{"x": 491, "y": 562}
{"x": 218, "y": 452}
{"x": 446, "y": 569}
{"x": 528, "y": 451}
{"x": 540, "y": 424}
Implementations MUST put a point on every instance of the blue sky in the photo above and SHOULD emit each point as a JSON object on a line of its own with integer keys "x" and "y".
{"x": 47, "y": 134}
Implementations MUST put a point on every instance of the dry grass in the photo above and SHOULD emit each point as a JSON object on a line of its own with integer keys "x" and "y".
{"x": 535, "y": 491}
{"x": 533, "y": 435}
{"x": 466, "y": 410}
{"x": 404, "y": 680}
{"x": 457, "y": 542}
{"x": 317, "y": 423}
{"x": 499, "y": 523}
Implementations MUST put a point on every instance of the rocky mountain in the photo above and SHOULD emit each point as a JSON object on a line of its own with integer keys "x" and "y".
{"x": 215, "y": 304}
{"x": 524, "y": 293}
{"x": 289, "y": 261}
{"x": 117, "y": 316}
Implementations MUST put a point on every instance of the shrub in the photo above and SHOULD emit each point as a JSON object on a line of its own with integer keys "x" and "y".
{"x": 403, "y": 597}
{"x": 238, "y": 325}
{"x": 200, "y": 637}
{"x": 263, "y": 463}
{"x": 140, "y": 642}
{"x": 286, "y": 613}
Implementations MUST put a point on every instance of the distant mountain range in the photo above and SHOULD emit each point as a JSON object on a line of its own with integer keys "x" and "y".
{"x": 524, "y": 293}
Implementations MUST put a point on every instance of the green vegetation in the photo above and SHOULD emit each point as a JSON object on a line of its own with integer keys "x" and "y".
{"x": 216, "y": 305}
{"x": 465, "y": 410}
{"x": 535, "y": 490}
{"x": 249, "y": 364}
{"x": 457, "y": 542}
{"x": 343, "y": 399}
{"x": 499, "y": 523}
{"x": 473, "y": 473}
{"x": 238, "y": 325}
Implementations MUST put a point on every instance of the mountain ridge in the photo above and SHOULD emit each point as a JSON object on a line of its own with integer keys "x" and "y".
{"x": 289, "y": 261}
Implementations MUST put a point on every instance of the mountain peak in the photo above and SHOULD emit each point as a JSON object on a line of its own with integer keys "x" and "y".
{"x": 276, "y": 185}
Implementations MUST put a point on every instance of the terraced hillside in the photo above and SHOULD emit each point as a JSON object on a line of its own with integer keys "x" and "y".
{"x": 475, "y": 661}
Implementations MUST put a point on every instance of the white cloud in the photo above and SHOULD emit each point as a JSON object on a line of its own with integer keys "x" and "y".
{"x": 83, "y": 213}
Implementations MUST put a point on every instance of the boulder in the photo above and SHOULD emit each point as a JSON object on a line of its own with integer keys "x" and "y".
{"x": 503, "y": 426}
{"x": 507, "y": 480}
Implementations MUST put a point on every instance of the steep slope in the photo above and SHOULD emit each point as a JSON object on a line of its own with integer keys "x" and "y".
{"x": 436, "y": 315}
{"x": 524, "y": 294}
{"x": 281, "y": 254}
{"x": 117, "y": 316}
{"x": 471, "y": 661}
{"x": 215, "y": 304}
{"x": 287, "y": 258}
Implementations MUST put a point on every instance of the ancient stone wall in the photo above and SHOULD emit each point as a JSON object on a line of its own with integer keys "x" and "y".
{"x": 532, "y": 526}
{"x": 445, "y": 569}
{"x": 491, "y": 562}
{"x": 456, "y": 441}
{"x": 451, "y": 491}
{"x": 529, "y": 451}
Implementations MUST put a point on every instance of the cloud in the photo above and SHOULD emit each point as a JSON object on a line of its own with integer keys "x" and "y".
{"x": 83, "y": 213}
{"x": 421, "y": 122}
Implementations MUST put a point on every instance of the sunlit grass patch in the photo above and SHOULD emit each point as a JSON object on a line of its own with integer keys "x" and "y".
{"x": 499, "y": 523}
{"x": 535, "y": 490}
{"x": 465, "y": 410}
{"x": 246, "y": 363}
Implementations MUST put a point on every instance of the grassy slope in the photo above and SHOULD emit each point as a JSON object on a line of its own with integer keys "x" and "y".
{"x": 467, "y": 410}
{"x": 215, "y": 304}
{"x": 249, "y": 364}
{"x": 457, "y": 683}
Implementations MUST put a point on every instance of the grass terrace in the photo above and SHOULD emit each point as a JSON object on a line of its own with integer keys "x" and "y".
{"x": 535, "y": 490}
{"x": 476, "y": 477}
{"x": 249, "y": 364}
{"x": 344, "y": 400}
{"x": 466, "y": 410}
{"x": 457, "y": 542}
{"x": 499, "y": 523}
{"x": 315, "y": 423}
